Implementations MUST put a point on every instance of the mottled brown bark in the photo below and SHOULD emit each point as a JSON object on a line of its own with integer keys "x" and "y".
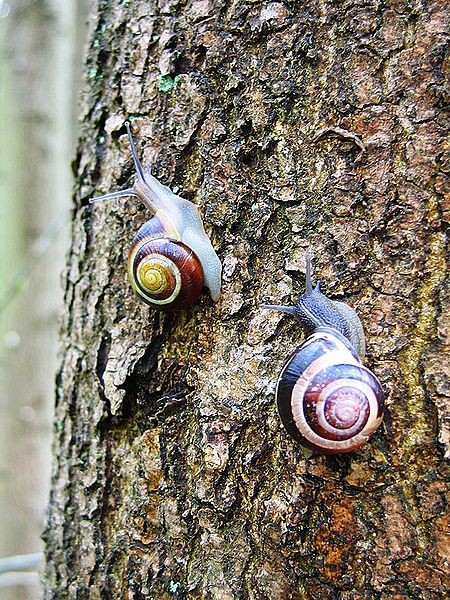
{"x": 173, "y": 476}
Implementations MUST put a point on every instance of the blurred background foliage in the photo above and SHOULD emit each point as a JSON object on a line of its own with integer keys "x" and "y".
{"x": 41, "y": 51}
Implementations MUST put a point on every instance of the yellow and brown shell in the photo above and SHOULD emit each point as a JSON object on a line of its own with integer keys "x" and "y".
{"x": 163, "y": 272}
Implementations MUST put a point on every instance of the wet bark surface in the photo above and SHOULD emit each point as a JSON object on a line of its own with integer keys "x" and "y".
{"x": 292, "y": 126}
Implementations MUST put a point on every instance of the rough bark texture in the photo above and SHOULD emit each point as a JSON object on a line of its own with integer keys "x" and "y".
{"x": 173, "y": 476}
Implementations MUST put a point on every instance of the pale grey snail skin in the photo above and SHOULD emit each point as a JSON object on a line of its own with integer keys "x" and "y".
{"x": 327, "y": 400}
{"x": 179, "y": 216}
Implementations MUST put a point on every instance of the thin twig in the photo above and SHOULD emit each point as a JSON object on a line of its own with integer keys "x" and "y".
{"x": 37, "y": 251}
{"x": 14, "y": 578}
{"x": 19, "y": 562}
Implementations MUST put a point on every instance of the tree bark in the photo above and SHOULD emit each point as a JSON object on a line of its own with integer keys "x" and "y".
{"x": 291, "y": 126}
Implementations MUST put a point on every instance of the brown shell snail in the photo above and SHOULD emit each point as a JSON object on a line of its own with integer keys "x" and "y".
{"x": 327, "y": 400}
{"x": 171, "y": 258}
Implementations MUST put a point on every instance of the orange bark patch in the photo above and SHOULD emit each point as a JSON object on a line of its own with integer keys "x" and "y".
{"x": 336, "y": 537}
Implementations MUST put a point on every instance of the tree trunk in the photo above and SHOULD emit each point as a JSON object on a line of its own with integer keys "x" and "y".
{"x": 38, "y": 65}
{"x": 291, "y": 126}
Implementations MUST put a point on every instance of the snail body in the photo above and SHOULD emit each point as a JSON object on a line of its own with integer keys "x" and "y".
{"x": 171, "y": 258}
{"x": 327, "y": 400}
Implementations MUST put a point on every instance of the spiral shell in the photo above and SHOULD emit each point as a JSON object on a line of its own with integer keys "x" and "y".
{"x": 164, "y": 272}
{"x": 326, "y": 398}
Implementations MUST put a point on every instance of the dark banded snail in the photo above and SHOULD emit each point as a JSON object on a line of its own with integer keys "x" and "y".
{"x": 327, "y": 400}
{"x": 171, "y": 258}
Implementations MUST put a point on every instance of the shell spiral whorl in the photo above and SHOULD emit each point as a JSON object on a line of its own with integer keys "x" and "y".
{"x": 326, "y": 398}
{"x": 164, "y": 272}
{"x": 156, "y": 274}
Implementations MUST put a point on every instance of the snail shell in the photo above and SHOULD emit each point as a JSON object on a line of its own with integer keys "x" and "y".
{"x": 164, "y": 272}
{"x": 327, "y": 400}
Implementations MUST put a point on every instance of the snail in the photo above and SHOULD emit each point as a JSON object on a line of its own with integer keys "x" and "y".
{"x": 327, "y": 400}
{"x": 171, "y": 258}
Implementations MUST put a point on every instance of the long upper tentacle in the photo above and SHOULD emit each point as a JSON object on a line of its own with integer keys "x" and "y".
{"x": 137, "y": 162}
